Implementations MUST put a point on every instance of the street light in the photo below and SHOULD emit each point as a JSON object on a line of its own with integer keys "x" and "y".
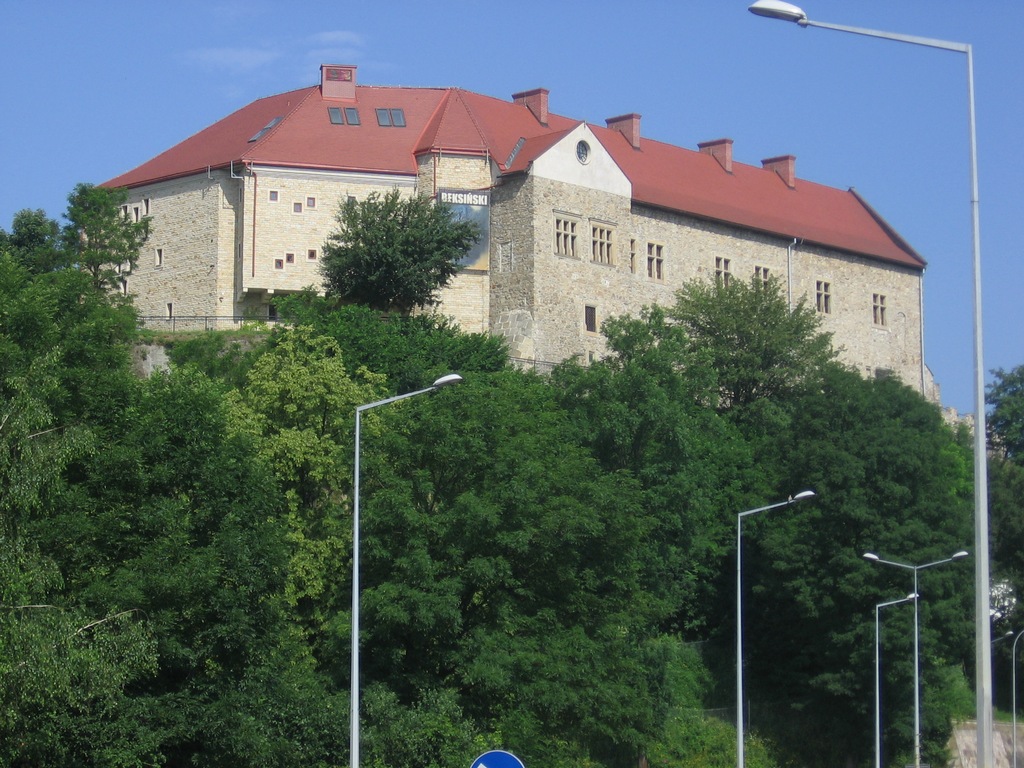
{"x": 917, "y": 667}
{"x": 776, "y": 9}
{"x": 739, "y": 612}
{"x": 444, "y": 381}
{"x": 878, "y": 675}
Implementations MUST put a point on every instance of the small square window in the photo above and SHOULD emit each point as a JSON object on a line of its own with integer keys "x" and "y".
{"x": 762, "y": 276}
{"x": 296, "y": 207}
{"x": 278, "y": 263}
{"x": 272, "y": 196}
{"x": 311, "y": 202}
{"x": 289, "y": 258}
{"x": 311, "y": 254}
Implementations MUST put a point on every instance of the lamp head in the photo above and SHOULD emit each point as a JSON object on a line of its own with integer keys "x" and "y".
{"x": 870, "y": 556}
{"x": 960, "y": 555}
{"x": 776, "y": 9}
{"x": 446, "y": 380}
{"x": 803, "y": 495}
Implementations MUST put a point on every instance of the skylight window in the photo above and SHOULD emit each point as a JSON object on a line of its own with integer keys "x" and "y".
{"x": 341, "y": 116}
{"x": 265, "y": 129}
{"x": 391, "y": 117}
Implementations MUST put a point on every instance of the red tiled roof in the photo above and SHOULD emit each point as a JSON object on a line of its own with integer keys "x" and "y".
{"x": 458, "y": 121}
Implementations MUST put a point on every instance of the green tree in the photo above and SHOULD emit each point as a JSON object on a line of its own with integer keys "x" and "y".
{"x": 759, "y": 347}
{"x": 1006, "y": 419}
{"x": 100, "y": 237}
{"x": 502, "y": 563}
{"x": 393, "y": 253}
{"x": 298, "y": 405}
{"x": 34, "y": 241}
{"x": 892, "y": 479}
{"x": 409, "y": 350}
{"x": 65, "y": 674}
{"x": 645, "y": 409}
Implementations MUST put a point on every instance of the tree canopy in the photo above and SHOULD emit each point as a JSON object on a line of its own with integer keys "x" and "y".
{"x": 393, "y": 253}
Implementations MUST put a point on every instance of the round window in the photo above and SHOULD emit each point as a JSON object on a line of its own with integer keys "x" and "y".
{"x": 583, "y": 152}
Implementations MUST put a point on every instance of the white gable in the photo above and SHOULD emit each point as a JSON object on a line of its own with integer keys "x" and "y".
{"x": 562, "y": 162}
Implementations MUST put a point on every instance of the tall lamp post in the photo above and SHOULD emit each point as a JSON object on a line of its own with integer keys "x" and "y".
{"x": 739, "y": 612}
{"x": 917, "y": 639}
{"x": 878, "y": 674}
{"x": 444, "y": 381}
{"x": 776, "y": 9}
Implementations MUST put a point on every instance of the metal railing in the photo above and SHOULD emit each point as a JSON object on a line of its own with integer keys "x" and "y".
{"x": 201, "y": 322}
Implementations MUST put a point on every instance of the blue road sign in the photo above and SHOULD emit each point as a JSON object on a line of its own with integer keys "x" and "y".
{"x": 497, "y": 758}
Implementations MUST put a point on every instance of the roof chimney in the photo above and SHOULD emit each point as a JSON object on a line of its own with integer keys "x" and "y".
{"x": 338, "y": 81}
{"x": 537, "y": 102}
{"x": 721, "y": 150}
{"x": 785, "y": 166}
{"x": 628, "y": 126}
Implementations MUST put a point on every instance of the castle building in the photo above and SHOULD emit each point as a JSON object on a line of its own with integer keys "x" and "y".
{"x": 579, "y": 222}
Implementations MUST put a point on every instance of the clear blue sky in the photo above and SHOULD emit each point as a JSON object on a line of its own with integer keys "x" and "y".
{"x": 92, "y": 89}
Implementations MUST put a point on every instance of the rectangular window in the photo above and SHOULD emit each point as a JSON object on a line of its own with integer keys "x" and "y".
{"x": 600, "y": 244}
{"x": 311, "y": 254}
{"x": 565, "y": 237}
{"x": 352, "y": 115}
{"x": 135, "y": 211}
{"x": 289, "y": 258}
{"x": 170, "y": 309}
{"x": 655, "y": 262}
{"x": 296, "y": 207}
{"x": 590, "y": 318}
{"x": 311, "y": 202}
{"x": 278, "y": 263}
{"x": 145, "y": 207}
{"x": 761, "y": 275}
{"x": 632, "y": 255}
{"x": 159, "y": 257}
{"x": 723, "y": 270}
{"x": 335, "y": 114}
{"x": 878, "y": 309}
{"x": 272, "y": 195}
{"x": 823, "y": 297}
